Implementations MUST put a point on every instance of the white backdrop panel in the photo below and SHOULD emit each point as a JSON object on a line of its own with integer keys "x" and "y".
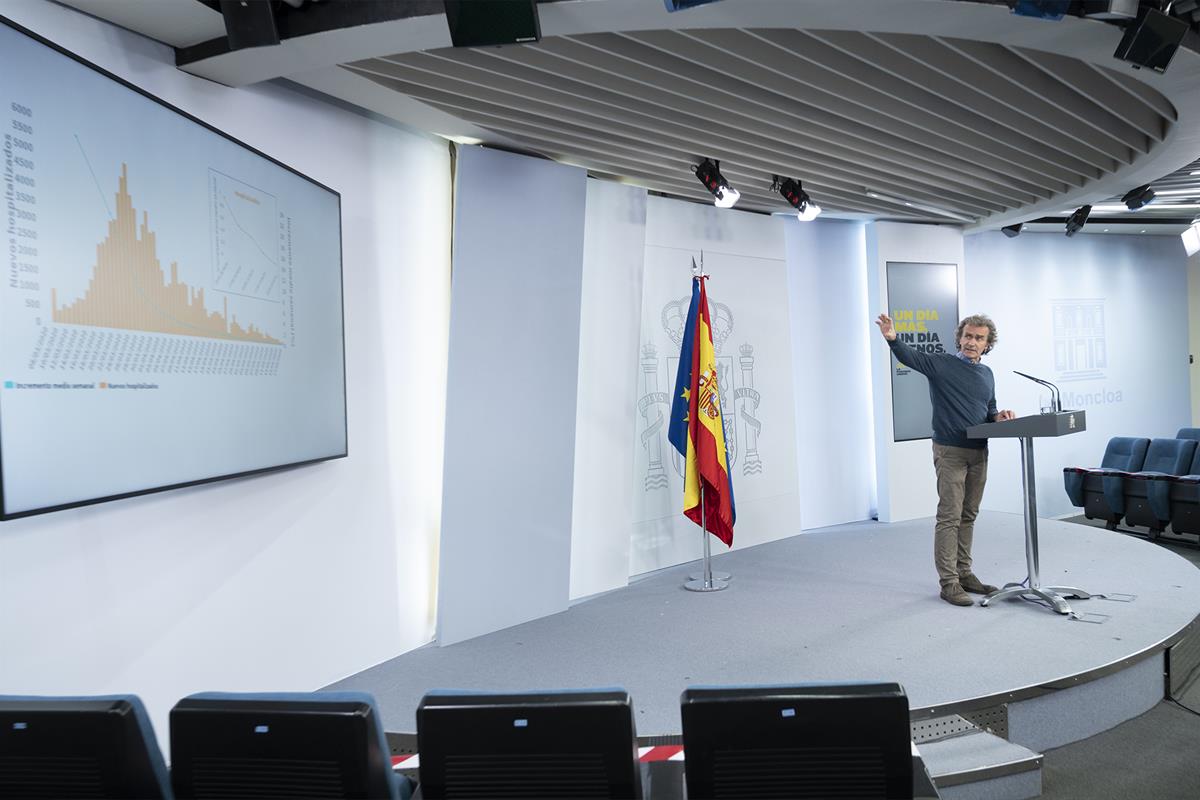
{"x": 904, "y": 470}
{"x": 510, "y": 392}
{"x": 614, "y": 244}
{"x": 1103, "y": 316}
{"x": 827, "y": 280}
{"x": 744, "y": 253}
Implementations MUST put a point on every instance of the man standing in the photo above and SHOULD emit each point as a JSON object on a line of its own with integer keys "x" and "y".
{"x": 963, "y": 393}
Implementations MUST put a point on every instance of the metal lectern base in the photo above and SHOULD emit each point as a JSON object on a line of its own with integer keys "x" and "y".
{"x": 1054, "y": 595}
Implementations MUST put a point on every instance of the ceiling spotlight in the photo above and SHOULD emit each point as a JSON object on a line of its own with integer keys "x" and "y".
{"x": 1077, "y": 220}
{"x": 1012, "y": 231}
{"x": 806, "y": 209}
{"x": 1136, "y": 198}
{"x": 709, "y": 173}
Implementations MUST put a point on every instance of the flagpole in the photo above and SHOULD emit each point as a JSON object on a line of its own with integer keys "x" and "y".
{"x": 706, "y": 576}
{"x": 705, "y": 583}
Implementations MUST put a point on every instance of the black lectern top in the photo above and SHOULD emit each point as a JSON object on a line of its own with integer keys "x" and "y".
{"x": 1060, "y": 423}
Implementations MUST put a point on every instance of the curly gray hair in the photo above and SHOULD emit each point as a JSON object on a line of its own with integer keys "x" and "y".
{"x": 977, "y": 321}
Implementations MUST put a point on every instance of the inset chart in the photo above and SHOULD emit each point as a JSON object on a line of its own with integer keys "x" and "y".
{"x": 245, "y": 241}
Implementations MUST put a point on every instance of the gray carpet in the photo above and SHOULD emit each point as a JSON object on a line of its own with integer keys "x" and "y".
{"x": 1151, "y": 756}
{"x": 857, "y": 602}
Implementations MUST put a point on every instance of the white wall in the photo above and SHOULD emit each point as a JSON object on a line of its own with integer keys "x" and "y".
{"x": 904, "y": 470}
{"x": 614, "y": 245}
{"x": 831, "y": 356}
{"x": 510, "y": 392}
{"x": 1131, "y": 374}
{"x": 291, "y": 580}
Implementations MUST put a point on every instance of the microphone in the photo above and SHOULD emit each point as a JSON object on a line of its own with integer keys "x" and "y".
{"x": 1055, "y": 396}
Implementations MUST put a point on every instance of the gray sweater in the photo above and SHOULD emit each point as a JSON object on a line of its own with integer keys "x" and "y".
{"x": 963, "y": 394}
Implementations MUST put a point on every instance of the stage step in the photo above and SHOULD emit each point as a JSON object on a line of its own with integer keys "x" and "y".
{"x": 984, "y": 767}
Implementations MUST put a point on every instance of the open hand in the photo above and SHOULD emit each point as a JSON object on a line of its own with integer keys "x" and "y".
{"x": 885, "y": 327}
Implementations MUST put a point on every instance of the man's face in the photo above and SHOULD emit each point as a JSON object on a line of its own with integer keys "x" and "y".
{"x": 973, "y": 341}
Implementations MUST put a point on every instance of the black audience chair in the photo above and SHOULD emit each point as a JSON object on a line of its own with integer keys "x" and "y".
{"x": 281, "y": 745}
{"x": 1099, "y": 490}
{"x": 808, "y": 742}
{"x": 556, "y": 744}
{"x": 1147, "y": 491}
{"x": 75, "y": 747}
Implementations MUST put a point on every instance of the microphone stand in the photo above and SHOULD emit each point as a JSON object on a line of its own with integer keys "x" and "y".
{"x": 1055, "y": 396}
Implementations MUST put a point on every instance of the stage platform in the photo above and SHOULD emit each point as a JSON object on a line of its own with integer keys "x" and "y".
{"x": 853, "y": 603}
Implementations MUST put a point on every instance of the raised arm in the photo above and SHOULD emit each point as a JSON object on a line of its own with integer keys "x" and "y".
{"x": 909, "y": 357}
{"x": 886, "y": 328}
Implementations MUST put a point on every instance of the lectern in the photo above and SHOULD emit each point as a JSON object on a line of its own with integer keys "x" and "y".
{"x": 1059, "y": 423}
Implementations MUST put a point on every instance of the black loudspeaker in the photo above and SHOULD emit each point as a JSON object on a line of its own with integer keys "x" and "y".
{"x": 249, "y": 23}
{"x": 485, "y": 23}
{"x": 1151, "y": 40}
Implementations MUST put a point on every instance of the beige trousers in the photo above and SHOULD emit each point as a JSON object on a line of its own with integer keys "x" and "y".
{"x": 961, "y": 474}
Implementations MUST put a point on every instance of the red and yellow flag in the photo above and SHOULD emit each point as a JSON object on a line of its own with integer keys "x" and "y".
{"x": 707, "y": 462}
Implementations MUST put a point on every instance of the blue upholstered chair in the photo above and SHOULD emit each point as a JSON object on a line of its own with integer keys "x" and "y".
{"x": 1098, "y": 490}
{"x": 282, "y": 745}
{"x": 1188, "y": 433}
{"x": 69, "y": 747}
{"x": 1185, "y": 497}
{"x": 1147, "y": 491}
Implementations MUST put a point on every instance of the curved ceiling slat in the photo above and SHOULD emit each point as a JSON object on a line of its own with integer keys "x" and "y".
{"x": 954, "y": 75}
{"x": 906, "y": 101}
{"x": 872, "y": 133}
{"x": 980, "y": 129}
{"x": 876, "y": 132}
{"x": 1144, "y": 94}
{"x": 1011, "y": 66}
{"x": 867, "y": 170}
{"x": 699, "y": 104}
{"x": 465, "y": 100}
{"x": 1098, "y": 88}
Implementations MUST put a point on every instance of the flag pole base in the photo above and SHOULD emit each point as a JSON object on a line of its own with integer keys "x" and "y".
{"x": 699, "y": 585}
{"x": 717, "y": 576}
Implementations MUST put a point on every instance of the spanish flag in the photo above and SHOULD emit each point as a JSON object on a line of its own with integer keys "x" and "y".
{"x": 697, "y": 430}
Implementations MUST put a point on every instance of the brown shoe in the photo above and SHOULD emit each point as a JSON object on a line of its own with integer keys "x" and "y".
{"x": 972, "y": 584}
{"x": 953, "y": 594}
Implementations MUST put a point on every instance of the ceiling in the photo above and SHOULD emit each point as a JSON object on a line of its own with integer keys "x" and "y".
{"x": 922, "y": 110}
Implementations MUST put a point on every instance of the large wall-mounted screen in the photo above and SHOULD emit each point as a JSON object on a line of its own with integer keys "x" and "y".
{"x": 171, "y": 308}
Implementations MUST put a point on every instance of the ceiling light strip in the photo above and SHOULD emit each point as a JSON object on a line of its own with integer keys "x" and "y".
{"x": 920, "y": 206}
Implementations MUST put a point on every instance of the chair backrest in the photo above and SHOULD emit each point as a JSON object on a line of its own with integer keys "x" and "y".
{"x": 579, "y": 743}
{"x": 68, "y": 747}
{"x": 280, "y": 745}
{"x": 1172, "y": 456}
{"x": 1126, "y": 453}
{"x": 1188, "y": 433}
{"x": 806, "y": 741}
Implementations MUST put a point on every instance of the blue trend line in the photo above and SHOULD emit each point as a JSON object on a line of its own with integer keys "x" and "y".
{"x": 103, "y": 199}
